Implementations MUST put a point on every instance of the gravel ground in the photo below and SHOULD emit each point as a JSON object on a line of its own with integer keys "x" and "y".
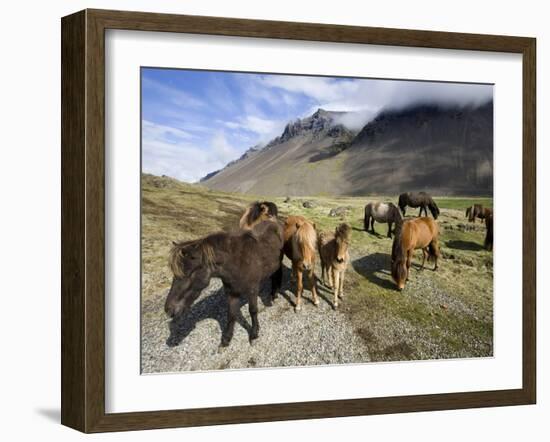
{"x": 314, "y": 336}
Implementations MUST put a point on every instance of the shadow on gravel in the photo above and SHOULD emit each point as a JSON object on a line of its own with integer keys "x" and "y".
{"x": 215, "y": 307}
{"x": 464, "y": 245}
{"x": 371, "y": 266}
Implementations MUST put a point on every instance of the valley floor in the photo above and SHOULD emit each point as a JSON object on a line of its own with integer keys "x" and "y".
{"x": 439, "y": 315}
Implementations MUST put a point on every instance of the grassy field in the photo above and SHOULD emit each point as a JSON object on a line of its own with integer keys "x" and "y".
{"x": 443, "y": 314}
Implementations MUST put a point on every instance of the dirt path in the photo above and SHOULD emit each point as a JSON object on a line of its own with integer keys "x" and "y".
{"x": 314, "y": 336}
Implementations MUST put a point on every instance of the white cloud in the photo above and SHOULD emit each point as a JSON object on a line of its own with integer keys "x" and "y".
{"x": 170, "y": 151}
{"x": 366, "y": 97}
{"x": 154, "y": 130}
{"x": 264, "y": 129}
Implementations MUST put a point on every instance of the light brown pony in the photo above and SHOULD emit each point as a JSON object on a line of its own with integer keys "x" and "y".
{"x": 300, "y": 243}
{"x": 418, "y": 233}
{"x": 334, "y": 253}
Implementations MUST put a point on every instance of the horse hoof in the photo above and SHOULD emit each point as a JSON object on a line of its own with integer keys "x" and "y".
{"x": 335, "y": 306}
{"x": 316, "y": 303}
{"x": 297, "y": 308}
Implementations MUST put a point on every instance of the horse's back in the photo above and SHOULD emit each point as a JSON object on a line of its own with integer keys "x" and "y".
{"x": 419, "y": 232}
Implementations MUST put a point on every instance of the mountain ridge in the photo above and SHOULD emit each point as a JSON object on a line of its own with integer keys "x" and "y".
{"x": 442, "y": 149}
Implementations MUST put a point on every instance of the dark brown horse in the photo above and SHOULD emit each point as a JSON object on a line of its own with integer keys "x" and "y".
{"x": 418, "y": 233}
{"x": 382, "y": 213}
{"x": 477, "y": 211}
{"x": 241, "y": 260}
{"x": 420, "y": 199}
{"x": 334, "y": 253}
{"x": 300, "y": 244}
{"x": 257, "y": 212}
{"x": 489, "y": 232}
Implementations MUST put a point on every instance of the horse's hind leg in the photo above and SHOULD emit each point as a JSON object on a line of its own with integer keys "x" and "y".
{"x": 311, "y": 275}
{"x": 434, "y": 251}
{"x": 232, "y": 314}
{"x": 253, "y": 309}
{"x": 299, "y": 288}
{"x": 424, "y": 255}
{"x": 276, "y": 282}
{"x": 389, "y": 229}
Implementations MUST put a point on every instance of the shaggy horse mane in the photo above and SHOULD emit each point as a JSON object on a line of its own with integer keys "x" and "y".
{"x": 306, "y": 235}
{"x": 179, "y": 249}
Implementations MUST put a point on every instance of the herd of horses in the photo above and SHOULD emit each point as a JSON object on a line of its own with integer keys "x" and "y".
{"x": 244, "y": 258}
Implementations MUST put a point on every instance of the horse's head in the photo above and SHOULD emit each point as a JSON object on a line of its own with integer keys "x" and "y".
{"x": 190, "y": 263}
{"x": 434, "y": 209}
{"x": 258, "y": 212}
{"x": 342, "y": 237}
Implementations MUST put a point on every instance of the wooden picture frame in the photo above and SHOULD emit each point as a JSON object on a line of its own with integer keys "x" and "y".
{"x": 83, "y": 220}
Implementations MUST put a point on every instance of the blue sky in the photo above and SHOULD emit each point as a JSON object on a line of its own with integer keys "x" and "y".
{"x": 195, "y": 122}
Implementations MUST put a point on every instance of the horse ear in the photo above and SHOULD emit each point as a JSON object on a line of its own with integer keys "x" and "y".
{"x": 174, "y": 243}
{"x": 314, "y": 226}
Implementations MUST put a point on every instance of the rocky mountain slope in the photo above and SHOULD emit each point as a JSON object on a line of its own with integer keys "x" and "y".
{"x": 440, "y": 150}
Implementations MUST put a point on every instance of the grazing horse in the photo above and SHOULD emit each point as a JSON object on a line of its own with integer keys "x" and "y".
{"x": 334, "y": 253}
{"x": 257, "y": 212}
{"x": 418, "y": 233}
{"x": 300, "y": 243}
{"x": 489, "y": 232}
{"x": 477, "y": 211}
{"x": 382, "y": 213}
{"x": 420, "y": 199}
{"x": 241, "y": 260}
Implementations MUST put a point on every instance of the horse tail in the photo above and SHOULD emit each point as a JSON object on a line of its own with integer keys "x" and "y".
{"x": 433, "y": 247}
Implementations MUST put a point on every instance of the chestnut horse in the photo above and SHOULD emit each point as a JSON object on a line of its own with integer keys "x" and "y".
{"x": 300, "y": 243}
{"x": 334, "y": 253}
{"x": 418, "y": 233}
{"x": 241, "y": 260}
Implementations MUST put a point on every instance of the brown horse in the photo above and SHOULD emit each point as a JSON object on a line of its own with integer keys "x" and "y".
{"x": 420, "y": 199}
{"x": 300, "y": 243}
{"x": 477, "y": 211}
{"x": 418, "y": 233}
{"x": 334, "y": 253}
{"x": 382, "y": 213}
{"x": 241, "y": 260}
{"x": 489, "y": 232}
{"x": 257, "y": 212}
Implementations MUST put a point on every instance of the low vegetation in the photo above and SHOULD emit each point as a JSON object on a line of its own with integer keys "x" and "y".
{"x": 443, "y": 314}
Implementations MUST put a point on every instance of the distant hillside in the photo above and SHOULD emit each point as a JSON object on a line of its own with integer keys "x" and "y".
{"x": 440, "y": 150}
